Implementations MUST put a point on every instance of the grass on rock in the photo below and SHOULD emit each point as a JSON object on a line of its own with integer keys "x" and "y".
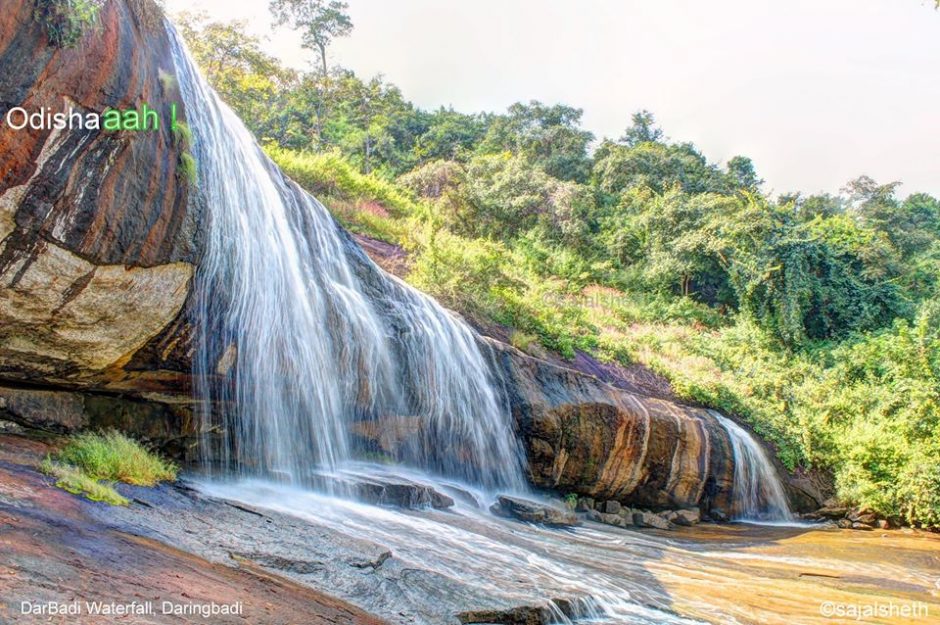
{"x": 90, "y": 463}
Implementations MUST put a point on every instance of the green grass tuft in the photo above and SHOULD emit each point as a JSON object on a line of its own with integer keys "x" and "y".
{"x": 183, "y": 135}
{"x": 167, "y": 80}
{"x": 188, "y": 169}
{"x": 73, "y": 480}
{"x": 115, "y": 457}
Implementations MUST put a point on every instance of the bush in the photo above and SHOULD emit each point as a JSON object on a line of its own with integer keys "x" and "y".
{"x": 65, "y": 21}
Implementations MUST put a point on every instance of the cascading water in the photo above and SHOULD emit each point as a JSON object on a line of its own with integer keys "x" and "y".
{"x": 757, "y": 492}
{"x": 301, "y": 335}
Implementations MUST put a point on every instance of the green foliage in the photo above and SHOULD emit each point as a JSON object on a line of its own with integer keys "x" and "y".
{"x": 115, "y": 457}
{"x": 642, "y": 130}
{"x": 657, "y": 166}
{"x": 252, "y": 82}
{"x": 66, "y": 21}
{"x": 73, "y": 480}
{"x": 167, "y": 81}
{"x": 819, "y": 280}
{"x": 182, "y": 135}
{"x": 187, "y": 169}
{"x": 330, "y": 175}
{"x": 547, "y": 137}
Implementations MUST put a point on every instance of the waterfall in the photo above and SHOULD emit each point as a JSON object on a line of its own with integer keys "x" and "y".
{"x": 757, "y": 492}
{"x": 300, "y": 336}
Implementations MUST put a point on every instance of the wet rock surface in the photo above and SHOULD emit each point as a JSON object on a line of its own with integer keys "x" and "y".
{"x": 61, "y": 548}
{"x": 533, "y": 512}
{"x": 385, "y": 490}
{"x": 64, "y": 545}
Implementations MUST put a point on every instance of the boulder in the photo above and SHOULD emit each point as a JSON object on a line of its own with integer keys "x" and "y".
{"x": 650, "y": 519}
{"x": 384, "y": 490}
{"x": 868, "y": 518}
{"x": 533, "y": 512}
{"x": 98, "y": 238}
{"x": 844, "y": 524}
{"x": 581, "y": 435}
{"x": 687, "y": 517}
{"x": 829, "y": 512}
{"x": 584, "y": 504}
{"x": 861, "y": 526}
{"x": 612, "y": 519}
{"x": 611, "y": 507}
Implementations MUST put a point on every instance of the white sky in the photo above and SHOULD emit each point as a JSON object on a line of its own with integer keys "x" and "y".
{"x": 815, "y": 91}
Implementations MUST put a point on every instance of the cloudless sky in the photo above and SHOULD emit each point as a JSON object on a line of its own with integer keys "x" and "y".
{"x": 816, "y": 92}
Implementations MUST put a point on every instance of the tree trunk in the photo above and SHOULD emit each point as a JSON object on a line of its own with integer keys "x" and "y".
{"x": 322, "y": 48}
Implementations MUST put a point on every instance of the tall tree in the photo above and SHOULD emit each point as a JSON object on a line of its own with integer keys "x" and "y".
{"x": 319, "y": 23}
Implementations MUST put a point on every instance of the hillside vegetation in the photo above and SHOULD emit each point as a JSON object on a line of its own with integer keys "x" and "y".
{"x": 814, "y": 318}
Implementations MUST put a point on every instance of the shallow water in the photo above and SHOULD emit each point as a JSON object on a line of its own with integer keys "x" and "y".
{"x": 740, "y": 573}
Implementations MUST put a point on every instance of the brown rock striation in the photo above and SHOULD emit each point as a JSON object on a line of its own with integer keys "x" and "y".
{"x": 586, "y": 437}
{"x": 98, "y": 238}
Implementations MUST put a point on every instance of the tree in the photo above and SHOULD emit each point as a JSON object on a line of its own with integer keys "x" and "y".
{"x": 447, "y": 135}
{"x": 253, "y": 83}
{"x": 643, "y": 130}
{"x": 319, "y": 23}
{"x": 548, "y": 137}
{"x": 683, "y": 243}
{"x": 912, "y": 225}
{"x": 743, "y": 175}
{"x": 658, "y": 166}
{"x": 811, "y": 206}
{"x": 372, "y": 123}
{"x": 818, "y": 280}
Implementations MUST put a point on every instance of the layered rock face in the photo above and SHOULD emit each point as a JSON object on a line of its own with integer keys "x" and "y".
{"x": 98, "y": 238}
{"x": 99, "y": 242}
{"x": 583, "y": 436}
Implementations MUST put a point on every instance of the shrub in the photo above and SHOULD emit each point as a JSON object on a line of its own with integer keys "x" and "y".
{"x": 65, "y": 21}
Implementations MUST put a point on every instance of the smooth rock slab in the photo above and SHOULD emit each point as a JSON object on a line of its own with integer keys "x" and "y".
{"x": 533, "y": 512}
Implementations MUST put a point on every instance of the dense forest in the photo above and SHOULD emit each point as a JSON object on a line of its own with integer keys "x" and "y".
{"x": 814, "y": 318}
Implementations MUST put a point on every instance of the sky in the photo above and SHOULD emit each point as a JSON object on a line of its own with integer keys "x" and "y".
{"x": 816, "y": 92}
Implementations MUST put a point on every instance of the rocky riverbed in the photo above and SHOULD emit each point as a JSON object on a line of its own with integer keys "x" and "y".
{"x": 290, "y": 555}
